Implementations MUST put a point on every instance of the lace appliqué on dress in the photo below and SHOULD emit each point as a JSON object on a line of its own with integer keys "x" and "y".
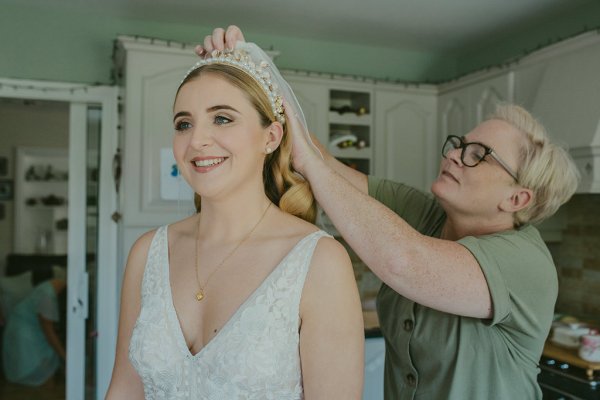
{"x": 255, "y": 356}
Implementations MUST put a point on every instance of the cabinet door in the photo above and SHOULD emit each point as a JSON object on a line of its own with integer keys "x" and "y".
{"x": 454, "y": 113}
{"x": 485, "y": 95}
{"x": 313, "y": 99}
{"x": 405, "y": 125}
{"x": 152, "y": 78}
{"x": 461, "y": 109}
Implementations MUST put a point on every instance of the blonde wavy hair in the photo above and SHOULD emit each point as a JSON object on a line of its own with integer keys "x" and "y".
{"x": 283, "y": 185}
{"x": 544, "y": 167}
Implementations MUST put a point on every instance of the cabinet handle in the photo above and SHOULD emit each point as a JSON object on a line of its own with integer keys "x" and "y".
{"x": 116, "y": 169}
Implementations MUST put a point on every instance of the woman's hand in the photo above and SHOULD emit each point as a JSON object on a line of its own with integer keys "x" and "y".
{"x": 220, "y": 40}
{"x": 304, "y": 151}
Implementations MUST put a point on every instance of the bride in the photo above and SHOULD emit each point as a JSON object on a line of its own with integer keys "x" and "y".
{"x": 246, "y": 299}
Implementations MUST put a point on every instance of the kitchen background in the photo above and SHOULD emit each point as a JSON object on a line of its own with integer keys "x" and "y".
{"x": 443, "y": 61}
{"x": 577, "y": 258}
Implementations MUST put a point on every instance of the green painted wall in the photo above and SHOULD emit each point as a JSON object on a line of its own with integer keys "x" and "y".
{"x": 77, "y": 47}
{"x": 524, "y": 39}
{"x": 47, "y": 44}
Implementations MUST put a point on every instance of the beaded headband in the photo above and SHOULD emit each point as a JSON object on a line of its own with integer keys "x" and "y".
{"x": 240, "y": 59}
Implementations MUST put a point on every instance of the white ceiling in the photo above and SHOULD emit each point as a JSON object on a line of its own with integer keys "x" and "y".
{"x": 426, "y": 25}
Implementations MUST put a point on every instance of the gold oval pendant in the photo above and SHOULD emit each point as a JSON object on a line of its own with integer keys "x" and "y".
{"x": 199, "y": 295}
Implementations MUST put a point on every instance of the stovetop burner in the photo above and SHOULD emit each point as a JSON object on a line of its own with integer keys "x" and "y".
{"x": 560, "y": 380}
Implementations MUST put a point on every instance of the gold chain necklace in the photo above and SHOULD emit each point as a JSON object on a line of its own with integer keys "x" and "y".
{"x": 200, "y": 294}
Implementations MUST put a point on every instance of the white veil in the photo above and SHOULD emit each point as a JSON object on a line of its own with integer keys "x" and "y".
{"x": 290, "y": 100}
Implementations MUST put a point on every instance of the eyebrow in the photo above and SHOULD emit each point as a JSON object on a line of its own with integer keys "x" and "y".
{"x": 221, "y": 107}
{"x": 181, "y": 114}
{"x": 209, "y": 109}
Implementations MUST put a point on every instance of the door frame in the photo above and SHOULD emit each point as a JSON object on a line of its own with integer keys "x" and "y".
{"x": 107, "y": 97}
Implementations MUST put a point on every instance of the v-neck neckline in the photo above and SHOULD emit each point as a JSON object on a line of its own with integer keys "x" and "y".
{"x": 174, "y": 317}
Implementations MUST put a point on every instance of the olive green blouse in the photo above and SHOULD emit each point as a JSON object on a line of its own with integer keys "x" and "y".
{"x": 436, "y": 355}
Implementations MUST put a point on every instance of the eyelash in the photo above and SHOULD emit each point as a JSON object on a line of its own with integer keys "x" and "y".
{"x": 179, "y": 126}
{"x": 218, "y": 120}
{"x": 223, "y": 120}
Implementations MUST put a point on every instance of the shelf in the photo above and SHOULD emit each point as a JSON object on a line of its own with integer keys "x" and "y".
{"x": 350, "y": 99}
{"x": 354, "y": 128}
{"x": 351, "y": 152}
{"x": 350, "y": 119}
{"x": 36, "y": 182}
{"x": 45, "y": 207}
{"x": 359, "y": 164}
{"x": 32, "y": 221}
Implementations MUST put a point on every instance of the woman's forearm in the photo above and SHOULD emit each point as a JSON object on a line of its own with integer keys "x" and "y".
{"x": 355, "y": 177}
{"x": 52, "y": 337}
{"x": 437, "y": 273}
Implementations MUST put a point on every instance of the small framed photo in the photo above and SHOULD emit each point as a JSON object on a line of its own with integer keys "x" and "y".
{"x": 6, "y": 189}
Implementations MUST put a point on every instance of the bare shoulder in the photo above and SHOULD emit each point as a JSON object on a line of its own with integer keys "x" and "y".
{"x": 330, "y": 258}
{"x": 330, "y": 285}
{"x": 142, "y": 244}
{"x": 184, "y": 227}
{"x": 330, "y": 270}
{"x": 138, "y": 254}
{"x": 328, "y": 251}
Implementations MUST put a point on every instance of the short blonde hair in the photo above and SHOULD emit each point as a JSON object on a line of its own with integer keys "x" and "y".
{"x": 283, "y": 185}
{"x": 544, "y": 167}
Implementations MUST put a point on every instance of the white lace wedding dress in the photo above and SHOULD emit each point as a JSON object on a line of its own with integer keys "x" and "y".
{"x": 256, "y": 354}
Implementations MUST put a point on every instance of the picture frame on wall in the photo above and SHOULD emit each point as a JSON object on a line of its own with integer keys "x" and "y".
{"x": 6, "y": 190}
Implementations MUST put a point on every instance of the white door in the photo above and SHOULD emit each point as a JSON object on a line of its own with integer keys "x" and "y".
{"x": 93, "y": 232}
{"x": 91, "y": 323}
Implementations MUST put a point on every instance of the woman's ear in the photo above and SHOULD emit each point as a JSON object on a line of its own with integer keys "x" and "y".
{"x": 518, "y": 200}
{"x": 274, "y": 136}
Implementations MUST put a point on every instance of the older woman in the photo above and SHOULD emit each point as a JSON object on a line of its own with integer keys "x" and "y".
{"x": 469, "y": 285}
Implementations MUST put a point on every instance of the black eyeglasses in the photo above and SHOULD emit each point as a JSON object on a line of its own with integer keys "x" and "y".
{"x": 472, "y": 153}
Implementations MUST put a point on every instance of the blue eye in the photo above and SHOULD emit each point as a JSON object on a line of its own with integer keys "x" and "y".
{"x": 221, "y": 120}
{"x": 182, "y": 125}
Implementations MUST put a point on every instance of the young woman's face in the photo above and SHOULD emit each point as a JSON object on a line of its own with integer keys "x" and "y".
{"x": 219, "y": 143}
{"x": 478, "y": 190}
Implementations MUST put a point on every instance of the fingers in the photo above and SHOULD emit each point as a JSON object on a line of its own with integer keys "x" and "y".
{"x": 232, "y": 36}
{"x": 291, "y": 120}
{"x": 216, "y": 41}
{"x": 299, "y": 133}
{"x": 220, "y": 40}
{"x": 199, "y": 50}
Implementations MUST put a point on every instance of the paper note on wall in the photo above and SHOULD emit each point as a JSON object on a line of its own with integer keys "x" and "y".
{"x": 172, "y": 185}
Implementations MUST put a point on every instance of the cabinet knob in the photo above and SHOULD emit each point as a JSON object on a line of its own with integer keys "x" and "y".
{"x": 116, "y": 216}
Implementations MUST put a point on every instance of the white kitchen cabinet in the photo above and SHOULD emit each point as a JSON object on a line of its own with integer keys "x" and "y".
{"x": 397, "y": 123}
{"x": 374, "y": 366}
{"x": 406, "y": 139}
{"x": 467, "y": 102}
{"x": 152, "y": 72}
{"x": 350, "y": 116}
{"x": 337, "y": 107}
{"x": 561, "y": 86}
{"x": 313, "y": 97}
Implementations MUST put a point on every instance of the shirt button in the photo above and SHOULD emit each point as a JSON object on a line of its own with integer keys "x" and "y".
{"x": 411, "y": 380}
{"x": 408, "y": 325}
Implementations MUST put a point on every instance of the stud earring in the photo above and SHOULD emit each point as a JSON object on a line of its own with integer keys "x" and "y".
{"x": 269, "y": 150}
